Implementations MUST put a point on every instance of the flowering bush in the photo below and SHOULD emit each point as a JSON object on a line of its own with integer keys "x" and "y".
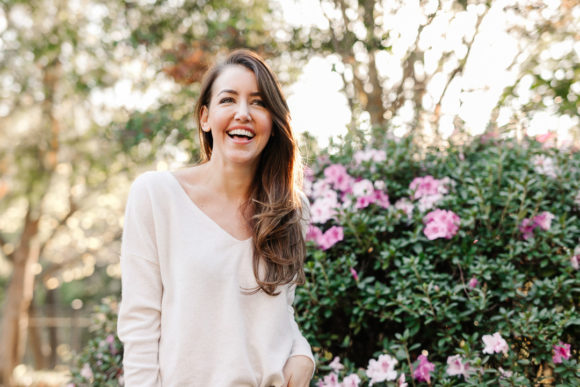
{"x": 100, "y": 363}
{"x": 469, "y": 277}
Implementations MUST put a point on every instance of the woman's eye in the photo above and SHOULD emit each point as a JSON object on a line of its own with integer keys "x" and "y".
{"x": 259, "y": 102}
{"x": 226, "y": 100}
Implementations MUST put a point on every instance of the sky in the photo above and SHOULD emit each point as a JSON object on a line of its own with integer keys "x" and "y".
{"x": 318, "y": 106}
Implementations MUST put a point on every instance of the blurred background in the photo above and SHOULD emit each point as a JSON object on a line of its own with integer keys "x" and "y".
{"x": 94, "y": 92}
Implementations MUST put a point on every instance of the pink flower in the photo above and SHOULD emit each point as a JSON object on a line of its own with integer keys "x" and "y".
{"x": 382, "y": 199}
{"x": 331, "y": 237}
{"x": 335, "y": 364}
{"x": 542, "y": 138}
{"x": 381, "y": 369}
{"x": 544, "y": 220}
{"x": 351, "y": 380}
{"x": 424, "y": 186}
{"x": 561, "y": 351}
{"x": 527, "y": 228}
{"x": 364, "y": 201}
{"x": 441, "y": 224}
{"x": 473, "y": 282}
{"x": 456, "y": 366}
{"x": 330, "y": 380}
{"x": 313, "y": 234}
{"x": 575, "y": 261}
{"x": 323, "y": 209}
{"x": 494, "y": 344}
{"x": 401, "y": 382}
{"x": 423, "y": 371}
{"x": 354, "y": 274}
{"x": 338, "y": 177}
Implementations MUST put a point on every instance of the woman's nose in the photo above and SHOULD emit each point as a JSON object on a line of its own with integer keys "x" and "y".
{"x": 243, "y": 112}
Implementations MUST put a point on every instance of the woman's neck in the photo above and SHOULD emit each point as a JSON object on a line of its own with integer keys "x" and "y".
{"x": 234, "y": 182}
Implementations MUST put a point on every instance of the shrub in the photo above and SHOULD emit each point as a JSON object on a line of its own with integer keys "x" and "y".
{"x": 101, "y": 361}
{"x": 426, "y": 259}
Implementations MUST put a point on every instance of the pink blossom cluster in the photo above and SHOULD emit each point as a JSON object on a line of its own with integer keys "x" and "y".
{"x": 423, "y": 370}
{"x": 325, "y": 203}
{"x": 561, "y": 351}
{"x": 365, "y": 194}
{"x": 457, "y": 366}
{"x": 381, "y": 369}
{"x": 339, "y": 190}
{"x": 494, "y": 344}
{"x": 429, "y": 191}
{"x": 332, "y": 380}
{"x": 543, "y": 220}
{"x": 441, "y": 224}
{"x": 327, "y": 239}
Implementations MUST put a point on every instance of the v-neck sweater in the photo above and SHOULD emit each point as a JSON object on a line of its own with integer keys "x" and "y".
{"x": 184, "y": 318}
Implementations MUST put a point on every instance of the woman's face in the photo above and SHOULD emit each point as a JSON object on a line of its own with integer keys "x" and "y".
{"x": 239, "y": 122}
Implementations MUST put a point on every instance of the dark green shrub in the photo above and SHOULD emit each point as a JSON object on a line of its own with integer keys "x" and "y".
{"x": 387, "y": 288}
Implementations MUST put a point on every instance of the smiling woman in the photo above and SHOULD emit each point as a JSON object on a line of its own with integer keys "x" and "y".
{"x": 212, "y": 253}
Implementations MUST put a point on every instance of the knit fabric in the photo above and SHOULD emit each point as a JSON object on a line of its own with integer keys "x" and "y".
{"x": 184, "y": 318}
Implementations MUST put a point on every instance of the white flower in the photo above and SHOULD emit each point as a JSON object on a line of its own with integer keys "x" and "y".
{"x": 351, "y": 380}
{"x": 545, "y": 165}
{"x": 428, "y": 202}
{"x": 86, "y": 371}
{"x": 363, "y": 188}
{"x": 494, "y": 344}
{"x": 382, "y": 369}
{"x": 335, "y": 364}
{"x": 380, "y": 185}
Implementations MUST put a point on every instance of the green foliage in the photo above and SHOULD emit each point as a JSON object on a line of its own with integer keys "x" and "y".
{"x": 100, "y": 363}
{"x": 411, "y": 294}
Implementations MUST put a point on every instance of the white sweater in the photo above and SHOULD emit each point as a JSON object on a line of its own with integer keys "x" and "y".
{"x": 184, "y": 320}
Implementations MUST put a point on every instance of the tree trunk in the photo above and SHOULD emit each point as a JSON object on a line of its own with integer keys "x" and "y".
{"x": 51, "y": 303}
{"x": 34, "y": 331}
{"x": 18, "y": 299}
{"x": 21, "y": 288}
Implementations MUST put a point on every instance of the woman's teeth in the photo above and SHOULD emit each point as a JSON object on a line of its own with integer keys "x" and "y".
{"x": 240, "y": 133}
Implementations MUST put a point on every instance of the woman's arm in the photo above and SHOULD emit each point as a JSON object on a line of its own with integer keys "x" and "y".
{"x": 140, "y": 312}
{"x": 300, "y": 366}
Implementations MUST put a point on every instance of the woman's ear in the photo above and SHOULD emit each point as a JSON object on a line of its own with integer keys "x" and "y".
{"x": 204, "y": 119}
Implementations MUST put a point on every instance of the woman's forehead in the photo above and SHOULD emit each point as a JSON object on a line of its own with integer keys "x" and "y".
{"x": 236, "y": 79}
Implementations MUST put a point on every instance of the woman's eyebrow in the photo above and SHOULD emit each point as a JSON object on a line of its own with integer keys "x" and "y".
{"x": 230, "y": 91}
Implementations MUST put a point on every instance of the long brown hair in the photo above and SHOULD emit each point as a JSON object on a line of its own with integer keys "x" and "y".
{"x": 274, "y": 202}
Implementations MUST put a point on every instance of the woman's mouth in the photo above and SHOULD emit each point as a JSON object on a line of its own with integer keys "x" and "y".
{"x": 241, "y": 135}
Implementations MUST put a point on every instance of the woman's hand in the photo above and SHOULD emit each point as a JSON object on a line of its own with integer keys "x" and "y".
{"x": 298, "y": 371}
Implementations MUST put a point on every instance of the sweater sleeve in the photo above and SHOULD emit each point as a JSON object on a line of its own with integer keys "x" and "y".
{"x": 139, "y": 323}
{"x": 300, "y": 345}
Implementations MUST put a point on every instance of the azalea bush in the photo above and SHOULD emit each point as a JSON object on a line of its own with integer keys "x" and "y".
{"x": 455, "y": 266}
{"x": 101, "y": 361}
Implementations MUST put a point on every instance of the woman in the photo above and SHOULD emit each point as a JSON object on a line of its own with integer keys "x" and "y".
{"x": 211, "y": 254}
